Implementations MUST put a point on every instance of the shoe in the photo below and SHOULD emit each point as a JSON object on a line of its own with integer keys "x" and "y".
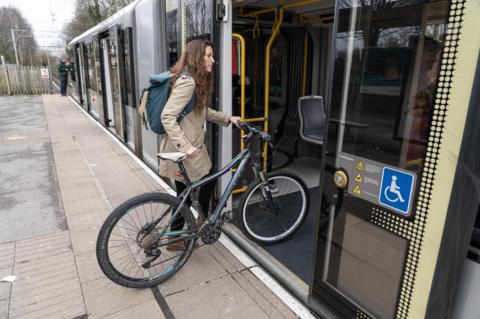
{"x": 199, "y": 222}
{"x": 176, "y": 246}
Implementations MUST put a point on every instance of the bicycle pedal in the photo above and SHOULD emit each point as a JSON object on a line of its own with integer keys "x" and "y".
{"x": 230, "y": 216}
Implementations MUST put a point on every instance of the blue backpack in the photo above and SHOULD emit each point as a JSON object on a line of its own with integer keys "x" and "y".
{"x": 153, "y": 100}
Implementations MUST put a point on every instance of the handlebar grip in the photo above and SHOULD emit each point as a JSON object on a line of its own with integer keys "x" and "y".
{"x": 249, "y": 128}
{"x": 265, "y": 137}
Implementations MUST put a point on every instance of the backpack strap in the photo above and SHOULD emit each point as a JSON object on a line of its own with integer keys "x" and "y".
{"x": 191, "y": 104}
{"x": 186, "y": 73}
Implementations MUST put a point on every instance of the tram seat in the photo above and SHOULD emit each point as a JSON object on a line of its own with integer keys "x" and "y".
{"x": 312, "y": 119}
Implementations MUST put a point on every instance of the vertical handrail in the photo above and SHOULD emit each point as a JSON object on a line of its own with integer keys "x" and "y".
{"x": 242, "y": 81}
{"x": 278, "y": 22}
{"x": 242, "y": 95}
{"x": 305, "y": 61}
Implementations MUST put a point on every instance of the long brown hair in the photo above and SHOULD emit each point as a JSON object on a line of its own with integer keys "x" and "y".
{"x": 192, "y": 60}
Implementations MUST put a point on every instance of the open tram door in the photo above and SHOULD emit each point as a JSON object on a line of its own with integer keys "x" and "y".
{"x": 80, "y": 70}
{"x": 110, "y": 55}
{"x": 401, "y": 127}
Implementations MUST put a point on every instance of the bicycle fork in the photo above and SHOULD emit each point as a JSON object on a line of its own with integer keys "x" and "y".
{"x": 266, "y": 191}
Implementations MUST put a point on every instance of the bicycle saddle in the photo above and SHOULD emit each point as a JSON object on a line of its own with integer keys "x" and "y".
{"x": 174, "y": 157}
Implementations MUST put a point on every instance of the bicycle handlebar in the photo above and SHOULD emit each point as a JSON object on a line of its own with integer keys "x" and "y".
{"x": 252, "y": 129}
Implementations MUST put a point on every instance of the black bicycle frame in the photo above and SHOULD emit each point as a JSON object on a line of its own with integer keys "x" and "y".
{"x": 241, "y": 159}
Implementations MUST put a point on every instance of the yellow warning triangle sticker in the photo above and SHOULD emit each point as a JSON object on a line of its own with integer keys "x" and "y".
{"x": 356, "y": 190}
{"x": 358, "y": 179}
{"x": 359, "y": 166}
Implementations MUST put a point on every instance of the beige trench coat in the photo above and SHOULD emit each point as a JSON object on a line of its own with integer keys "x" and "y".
{"x": 189, "y": 133}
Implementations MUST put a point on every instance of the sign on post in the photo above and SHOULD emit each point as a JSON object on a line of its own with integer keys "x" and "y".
{"x": 44, "y": 73}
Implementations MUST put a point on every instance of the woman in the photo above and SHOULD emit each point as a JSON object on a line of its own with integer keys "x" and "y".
{"x": 188, "y": 135}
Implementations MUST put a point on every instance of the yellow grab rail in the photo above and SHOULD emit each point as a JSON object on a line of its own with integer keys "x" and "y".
{"x": 242, "y": 95}
{"x": 242, "y": 80}
{"x": 278, "y": 22}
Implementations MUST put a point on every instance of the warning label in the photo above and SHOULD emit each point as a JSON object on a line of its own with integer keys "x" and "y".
{"x": 357, "y": 190}
{"x": 373, "y": 182}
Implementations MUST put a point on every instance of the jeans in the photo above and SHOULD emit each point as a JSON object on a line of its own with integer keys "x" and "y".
{"x": 63, "y": 83}
{"x": 204, "y": 197}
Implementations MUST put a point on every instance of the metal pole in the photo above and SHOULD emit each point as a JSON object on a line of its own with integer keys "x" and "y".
{"x": 15, "y": 46}
{"x": 30, "y": 53}
{"x": 49, "y": 72}
{"x": 9, "y": 89}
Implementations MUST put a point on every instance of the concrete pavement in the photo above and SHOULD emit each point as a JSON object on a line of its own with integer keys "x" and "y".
{"x": 60, "y": 176}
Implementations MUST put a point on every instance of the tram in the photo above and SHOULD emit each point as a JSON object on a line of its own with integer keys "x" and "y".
{"x": 374, "y": 100}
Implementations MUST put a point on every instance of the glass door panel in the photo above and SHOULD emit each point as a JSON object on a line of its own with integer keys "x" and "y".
{"x": 383, "y": 87}
{"x": 114, "y": 55}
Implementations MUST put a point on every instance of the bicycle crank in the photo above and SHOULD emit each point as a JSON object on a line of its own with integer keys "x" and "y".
{"x": 210, "y": 234}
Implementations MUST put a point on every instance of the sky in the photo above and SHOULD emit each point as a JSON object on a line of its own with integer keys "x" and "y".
{"x": 47, "y": 18}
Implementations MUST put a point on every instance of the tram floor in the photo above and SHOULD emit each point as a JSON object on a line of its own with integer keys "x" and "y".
{"x": 296, "y": 253}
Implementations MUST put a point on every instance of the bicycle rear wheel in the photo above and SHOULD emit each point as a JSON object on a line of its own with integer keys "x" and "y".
{"x": 271, "y": 215}
{"x": 126, "y": 248}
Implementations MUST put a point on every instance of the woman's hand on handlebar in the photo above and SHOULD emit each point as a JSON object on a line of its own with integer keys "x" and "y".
{"x": 193, "y": 152}
{"x": 235, "y": 120}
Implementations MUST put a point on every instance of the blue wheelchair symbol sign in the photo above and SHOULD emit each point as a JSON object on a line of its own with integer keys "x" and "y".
{"x": 396, "y": 190}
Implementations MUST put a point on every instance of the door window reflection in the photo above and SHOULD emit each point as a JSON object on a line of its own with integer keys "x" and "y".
{"x": 198, "y": 19}
{"x": 393, "y": 80}
{"x": 172, "y": 31}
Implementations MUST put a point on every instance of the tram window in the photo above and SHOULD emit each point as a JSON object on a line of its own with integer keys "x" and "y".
{"x": 97, "y": 65}
{"x": 393, "y": 80}
{"x": 128, "y": 68}
{"x": 71, "y": 55}
{"x": 172, "y": 31}
{"x": 199, "y": 19}
{"x": 90, "y": 67}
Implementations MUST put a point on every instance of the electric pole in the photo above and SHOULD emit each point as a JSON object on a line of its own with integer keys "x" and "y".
{"x": 23, "y": 34}
{"x": 15, "y": 46}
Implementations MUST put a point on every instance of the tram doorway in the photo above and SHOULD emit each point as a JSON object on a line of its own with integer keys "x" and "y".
{"x": 280, "y": 58}
{"x": 370, "y": 180}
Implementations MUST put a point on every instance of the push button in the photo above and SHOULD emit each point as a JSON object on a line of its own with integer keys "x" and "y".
{"x": 340, "y": 179}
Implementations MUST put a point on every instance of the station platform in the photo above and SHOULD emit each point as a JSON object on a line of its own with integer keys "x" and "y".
{"x": 61, "y": 174}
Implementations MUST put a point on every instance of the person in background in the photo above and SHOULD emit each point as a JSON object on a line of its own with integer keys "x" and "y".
{"x": 63, "y": 68}
{"x": 188, "y": 135}
{"x": 424, "y": 100}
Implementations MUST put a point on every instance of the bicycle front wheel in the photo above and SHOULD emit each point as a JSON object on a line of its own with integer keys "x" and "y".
{"x": 132, "y": 243}
{"x": 271, "y": 214}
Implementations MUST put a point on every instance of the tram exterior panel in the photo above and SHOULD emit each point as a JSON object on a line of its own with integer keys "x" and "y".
{"x": 375, "y": 258}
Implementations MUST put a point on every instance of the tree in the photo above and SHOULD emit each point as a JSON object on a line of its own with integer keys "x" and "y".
{"x": 11, "y": 18}
{"x": 89, "y": 13}
{"x": 199, "y": 15}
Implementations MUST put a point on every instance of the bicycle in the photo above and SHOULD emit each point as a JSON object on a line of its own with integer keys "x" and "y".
{"x": 273, "y": 208}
